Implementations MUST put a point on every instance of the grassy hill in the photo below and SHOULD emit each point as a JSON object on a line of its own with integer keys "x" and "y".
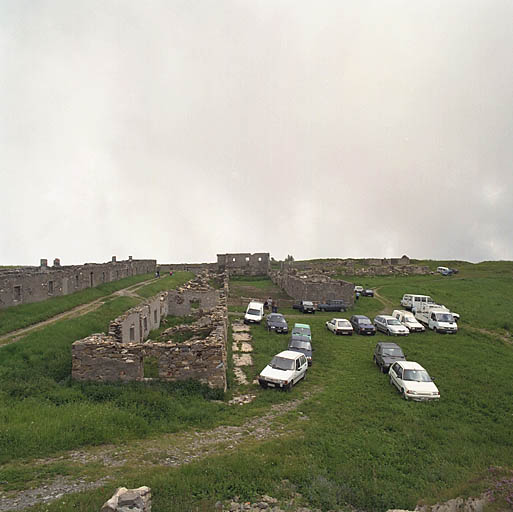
{"x": 354, "y": 440}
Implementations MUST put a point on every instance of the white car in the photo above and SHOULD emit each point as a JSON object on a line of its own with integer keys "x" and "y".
{"x": 407, "y": 318}
{"x": 254, "y": 313}
{"x": 412, "y": 381}
{"x": 390, "y": 325}
{"x": 340, "y": 326}
{"x": 358, "y": 289}
{"x": 286, "y": 369}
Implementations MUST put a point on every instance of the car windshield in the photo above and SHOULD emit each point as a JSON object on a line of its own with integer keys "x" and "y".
{"x": 300, "y": 344}
{"x": 397, "y": 352}
{"x": 410, "y": 320}
{"x": 343, "y": 323}
{"x": 277, "y": 318}
{"x": 304, "y": 331}
{"x": 444, "y": 317}
{"x": 306, "y": 303}
{"x": 364, "y": 321}
{"x": 393, "y": 321}
{"x": 281, "y": 363}
{"x": 417, "y": 375}
{"x": 253, "y": 312}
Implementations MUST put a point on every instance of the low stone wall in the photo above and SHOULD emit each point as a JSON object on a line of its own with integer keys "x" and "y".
{"x": 115, "y": 357}
{"x": 136, "y": 323}
{"x": 195, "y": 268}
{"x": 317, "y": 288}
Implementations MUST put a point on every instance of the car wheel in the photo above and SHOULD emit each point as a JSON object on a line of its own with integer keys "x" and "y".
{"x": 263, "y": 385}
{"x": 434, "y": 329}
{"x": 405, "y": 396}
{"x": 375, "y": 360}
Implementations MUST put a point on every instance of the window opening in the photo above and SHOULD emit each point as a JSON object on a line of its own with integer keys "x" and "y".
{"x": 17, "y": 293}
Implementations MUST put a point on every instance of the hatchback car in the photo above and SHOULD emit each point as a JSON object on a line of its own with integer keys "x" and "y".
{"x": 302, "y": 330}
{"x": 412, "y": 381}
{"x": 368, "y": 293}
{"x": 386, "y": 354}
{"x": 302, "y": 345}
{"x": 362, "y": 325}
{"x": 285, "y": 369}
{"x": 340, "y": 326}
{"x": 390, "y": 326}
{"x": 276, "y": 322}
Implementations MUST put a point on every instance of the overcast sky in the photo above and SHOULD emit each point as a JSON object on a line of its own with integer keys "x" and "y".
{"x": 177, "y": 130}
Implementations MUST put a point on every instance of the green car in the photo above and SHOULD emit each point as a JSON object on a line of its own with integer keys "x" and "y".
{"x": 302, "y": 330}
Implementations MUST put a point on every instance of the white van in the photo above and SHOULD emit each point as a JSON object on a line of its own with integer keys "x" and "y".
{"x": 408, "y": 319}
{"x": 254, "y": 313}
{"x": 411, "y": 301}
{"x": 443, "y": 270}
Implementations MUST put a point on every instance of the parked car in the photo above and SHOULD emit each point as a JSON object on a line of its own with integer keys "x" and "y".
{"x": 407, "y": 318}
{"x": 368, "y": 293}
{"x": 410, "y": 301}
{"x": 358, "y": 289}
{"x": 362, "y": 325}
{"x": 302, "y": 330}
{"x": 254, "y": 313}
{"x": 412, "y": 381}
{"x": 332, "y": 305}
{"x": 285, "y": 369}
{"x": 307, "y": 306}
{"x": 386, "y": 354}
{"x": 339, "y": 326}
{"x": 439, "y": 320}
{"x": 276, "y": 322}
{"x": 390, "y": 326}
{"x": 302, "y": 345}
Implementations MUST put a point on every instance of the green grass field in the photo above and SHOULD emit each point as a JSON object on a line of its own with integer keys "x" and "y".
{"x": 354, "y": 441}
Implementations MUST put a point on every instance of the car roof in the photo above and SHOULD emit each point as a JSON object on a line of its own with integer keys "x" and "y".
{"x": 300, "y": 337}
{"x": 255, "y": 303}
{"x": 275, "y": 315}
{"x": 388, "y": 344}
{"x": 387, "y": 317}
{"x": 339, "y": 319}
{"x": 403, "y": 312}
{"x": 289, "y": 354}
{"x": 306, "y": 326}
{"x": 360, "y": 316}
{"x": 410, "y": 365}
{"x": 306, "y": 340}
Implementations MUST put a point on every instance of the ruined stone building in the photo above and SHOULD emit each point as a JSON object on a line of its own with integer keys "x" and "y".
{"x": 33, "y": 284}
{"x": 313, "y": 286}
{"x": 125, "y": 352}
{"x": 241, "y": 264}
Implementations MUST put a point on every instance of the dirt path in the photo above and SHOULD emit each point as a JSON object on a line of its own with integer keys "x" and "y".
{"x": 167, "y": 450}
{"x": 388, "y": 305}
{"x": 83, "y": 309}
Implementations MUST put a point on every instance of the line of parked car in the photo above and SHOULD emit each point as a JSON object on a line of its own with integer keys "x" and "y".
{"x": 289, "y": 366}
{"x": 409, "y": 377}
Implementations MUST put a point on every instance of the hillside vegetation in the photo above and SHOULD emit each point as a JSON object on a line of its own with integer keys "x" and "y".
{"x": 352, "y": 441}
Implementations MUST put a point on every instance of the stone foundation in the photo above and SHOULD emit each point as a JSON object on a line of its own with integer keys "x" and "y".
{"x": 116, "y": 357}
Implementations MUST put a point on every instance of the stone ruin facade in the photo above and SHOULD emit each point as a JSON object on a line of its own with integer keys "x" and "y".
{"x": 244, "y": 264}
{"x": 313, "y": 286}
{"x": 123, "y": 353}
{"x": 25, "y": 285}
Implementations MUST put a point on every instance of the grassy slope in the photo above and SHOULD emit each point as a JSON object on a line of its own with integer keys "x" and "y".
{"x": 360, "y": 442}
{"x": 165, "y": 283}
{"x": 17, "y": 317}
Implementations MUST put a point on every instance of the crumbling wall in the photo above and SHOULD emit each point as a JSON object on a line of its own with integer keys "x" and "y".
{"x": 316, "y": 288}
{"x": 34, "y": 284}
{"x": 244, "y": 263}
{"x": 195, "y": 268}
{"x": 136, "y": 323}
{"x": 114, "y": 357}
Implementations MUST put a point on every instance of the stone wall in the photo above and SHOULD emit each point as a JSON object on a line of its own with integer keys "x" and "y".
{"x": 116, "y": 357}
{"x": 136, "y": 323}
{"x": 314, "y": 287}
{"x": 244, "y": 263}
{"x": 34, "y": 284}
{"x": 195, "y": 268}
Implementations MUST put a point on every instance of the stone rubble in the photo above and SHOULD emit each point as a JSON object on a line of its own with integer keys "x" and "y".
{"x": 129, "y": 500}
